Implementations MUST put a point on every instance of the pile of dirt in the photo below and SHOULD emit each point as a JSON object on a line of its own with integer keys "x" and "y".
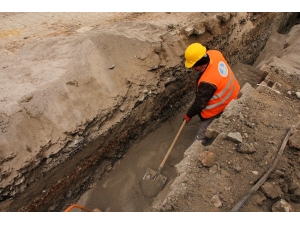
{"x": 73, "y": 99}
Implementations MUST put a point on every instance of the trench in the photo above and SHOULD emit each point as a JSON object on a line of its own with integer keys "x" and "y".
{"x": 122, "y": 187}
{"x": 108, "y": 174}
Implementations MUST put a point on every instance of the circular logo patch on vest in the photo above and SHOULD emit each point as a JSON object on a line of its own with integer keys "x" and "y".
{"x": 223, "y": 70}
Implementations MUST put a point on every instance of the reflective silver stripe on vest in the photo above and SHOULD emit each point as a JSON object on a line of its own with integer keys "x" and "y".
{"x": 221, "y": 102}
{"x": 222, "y": 93}
{"x": 225, "y": 89}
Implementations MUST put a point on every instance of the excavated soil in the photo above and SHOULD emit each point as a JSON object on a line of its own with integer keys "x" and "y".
{"x": 76, "y": 97}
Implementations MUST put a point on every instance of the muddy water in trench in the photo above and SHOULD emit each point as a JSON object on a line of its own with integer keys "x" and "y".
{"x": 123, "y": 189}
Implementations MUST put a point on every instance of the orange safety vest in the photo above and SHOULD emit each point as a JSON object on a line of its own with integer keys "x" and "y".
{"x": 220, "y": 74}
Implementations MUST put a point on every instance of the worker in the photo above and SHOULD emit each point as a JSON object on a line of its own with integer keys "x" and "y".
{"x": 216, "y": 86}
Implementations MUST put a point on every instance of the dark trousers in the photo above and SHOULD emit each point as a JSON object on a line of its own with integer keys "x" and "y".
{"x": 204, "y": 123}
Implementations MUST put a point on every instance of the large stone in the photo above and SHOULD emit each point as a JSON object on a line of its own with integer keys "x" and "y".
{"x": 207, "y": 158}
{"x": 271, "y": 190}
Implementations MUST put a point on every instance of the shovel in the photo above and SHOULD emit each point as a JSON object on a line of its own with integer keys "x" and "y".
{"x": 156, "y": 175}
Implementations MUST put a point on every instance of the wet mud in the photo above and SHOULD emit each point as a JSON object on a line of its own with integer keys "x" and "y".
{"x": 123, "y": 189}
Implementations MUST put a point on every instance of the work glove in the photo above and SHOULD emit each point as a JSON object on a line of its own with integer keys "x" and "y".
{"x": 186, "y": 118}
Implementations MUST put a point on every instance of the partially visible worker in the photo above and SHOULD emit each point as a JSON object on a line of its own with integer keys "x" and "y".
{"x": 216, "y": 86}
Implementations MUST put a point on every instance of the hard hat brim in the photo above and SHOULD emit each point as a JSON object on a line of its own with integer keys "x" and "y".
{"x": 188, "y": 65}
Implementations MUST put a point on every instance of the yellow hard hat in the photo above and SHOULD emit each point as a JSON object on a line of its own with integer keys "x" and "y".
{"x": 193, "y": 53}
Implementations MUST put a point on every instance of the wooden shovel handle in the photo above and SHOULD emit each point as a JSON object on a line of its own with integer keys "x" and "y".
{"x": 172, "y": 145}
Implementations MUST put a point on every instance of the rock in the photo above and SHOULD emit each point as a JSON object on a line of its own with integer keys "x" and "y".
{"x": 254, "y": 172}
{"x": 298, "y": 94}
{"x": 213, "y": 133}
{"x": 210, "y": 25}
{"x": 281, "y": 206}
{"x": 297, "y": 171}
{"x": 96, "y": 210}
{"x": 108, "y": 168}
{"x": 199, "y": 29}
{"x": 295, "y": 197}
{"x": 276, "y": 174}
{"x": 294, "y": 141}
{"x": 259, "y": 199}
{"x": 271, "y": 190}
{"x": 293, "y": 187}
{"x": 245, "y": 148}
{"x": 237, "y": 167}
{"x": 242, "y": 119}
{"x": 207, "y": 158}
{"x": 108, "y": 209}
{"x": 189, "y": 31}
{"x": 213, "y": 169}
{"x": 73, "y": 82}
{"x": 216, "y": 201}
{"x": 224, "y": 17}
{"x": 49, "y": 160}
{"x": 111, "y": 66}
{"x": 235, "y": 137}
{"x": 224, "y": 173}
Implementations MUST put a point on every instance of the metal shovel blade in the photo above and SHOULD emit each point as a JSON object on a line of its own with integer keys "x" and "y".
{"x": 154, "y": 175}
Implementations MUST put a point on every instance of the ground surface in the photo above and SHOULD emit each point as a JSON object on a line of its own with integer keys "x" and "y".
{"x": 34, "y": 74}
